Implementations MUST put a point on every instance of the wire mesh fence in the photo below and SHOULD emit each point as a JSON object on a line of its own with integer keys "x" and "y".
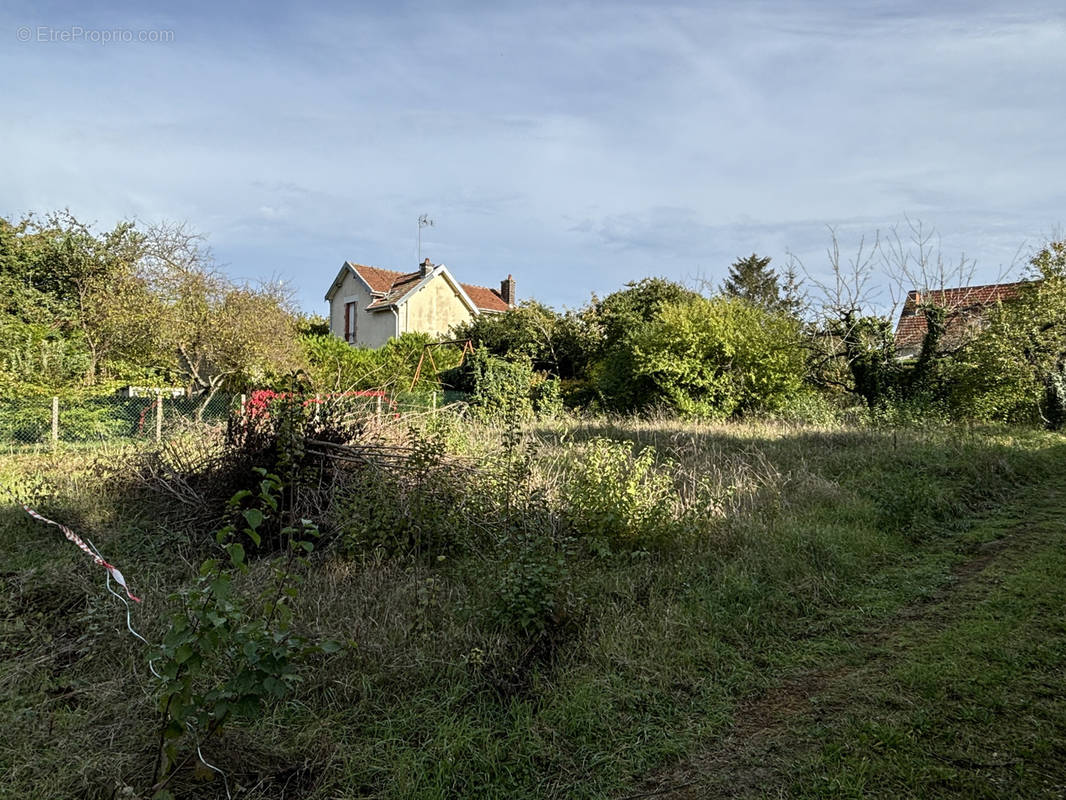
{"x": 49, "y": 421}
{"x": 43, "y": 421}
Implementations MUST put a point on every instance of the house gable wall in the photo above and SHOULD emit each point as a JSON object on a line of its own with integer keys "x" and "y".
{"x": 371, "y": 329}
{"x": 434, "y": 309}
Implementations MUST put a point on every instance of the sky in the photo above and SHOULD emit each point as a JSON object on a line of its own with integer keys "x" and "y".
{"x": 575, "y": 145}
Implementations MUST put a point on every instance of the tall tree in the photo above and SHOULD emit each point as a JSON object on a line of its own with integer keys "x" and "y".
{"x": 752, "y": 279}
{"x": 217, "y": 332}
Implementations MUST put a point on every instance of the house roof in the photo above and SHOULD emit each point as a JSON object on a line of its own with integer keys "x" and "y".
{"x": 964, "y": 305}
{"x": 390, "y": 287}
{"x": 484, "y": 298}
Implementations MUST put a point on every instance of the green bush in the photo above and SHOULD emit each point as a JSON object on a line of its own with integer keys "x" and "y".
{"x": 1055, "y": 398}
{"x": 1007, "y": 373}
{"x": 546, "y": 395}
{"x": 87, "y": 420}
{"x": 413, "y": 512}
{"x": 225, "y": 658}
{"x": 719, "y": 358}
{"x": 613, "y": 322}
{"x": 501, "y": 388}
{"x": 25, "y": 420}
{"x": 619, "y": 496}
{"x": 532, "y": 587}
{"x": 810, "y": 407}
{"x": 336, "y": 366}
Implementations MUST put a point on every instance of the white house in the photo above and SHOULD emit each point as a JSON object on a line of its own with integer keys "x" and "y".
{"x": 370, "y": 305}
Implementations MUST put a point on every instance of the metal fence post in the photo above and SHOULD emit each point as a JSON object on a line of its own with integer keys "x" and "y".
{"x": 55, "y": 421}
{"x": 158, "y": 415}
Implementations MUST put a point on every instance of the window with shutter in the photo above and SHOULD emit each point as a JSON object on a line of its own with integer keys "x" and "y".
{"x": 349, "y": 323}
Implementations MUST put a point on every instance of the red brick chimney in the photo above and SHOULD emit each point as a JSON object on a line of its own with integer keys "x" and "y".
{"x": 507, "y": 291}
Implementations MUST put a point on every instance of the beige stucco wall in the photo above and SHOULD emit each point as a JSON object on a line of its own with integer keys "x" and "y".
{"x": 371, "y": 329}
{"x": 433, "y": 309}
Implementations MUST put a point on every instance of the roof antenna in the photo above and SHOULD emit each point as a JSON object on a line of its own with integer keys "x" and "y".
{"x": 423, "y": 222}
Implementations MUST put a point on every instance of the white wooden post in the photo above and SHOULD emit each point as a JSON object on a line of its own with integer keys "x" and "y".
{"x": 158, "y": 415}
{"x": 379, "y": 408}
{"x": 244, "y": 401}
{"x": 434, "y": 402}
{"x": 55, "y": 421}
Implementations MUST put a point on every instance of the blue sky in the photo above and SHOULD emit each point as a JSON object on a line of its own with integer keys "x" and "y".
{"x": 577, "y": 145}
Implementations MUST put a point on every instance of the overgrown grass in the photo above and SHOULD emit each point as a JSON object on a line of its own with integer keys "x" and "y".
{"x": 730, "y": 558}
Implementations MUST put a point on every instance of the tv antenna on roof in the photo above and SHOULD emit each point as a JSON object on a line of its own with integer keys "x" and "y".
{"x": 423, "y": 222}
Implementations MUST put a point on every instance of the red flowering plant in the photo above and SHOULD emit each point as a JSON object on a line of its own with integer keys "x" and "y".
{"x": 259, "y": 402}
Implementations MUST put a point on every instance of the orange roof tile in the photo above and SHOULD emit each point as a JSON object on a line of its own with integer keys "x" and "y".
{"x": 485, "y": 299}
{"x": 380, "y": 280}
{"x": 964, "y": 305}
{"x": 392, "y": 285}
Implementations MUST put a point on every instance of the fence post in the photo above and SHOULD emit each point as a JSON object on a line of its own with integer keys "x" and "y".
{"x": 244, "y": 401}
{"x": 379, "y": 408}
{"x": 158, "y": 415}
{"x": 55, "y": 421}
{"x": 434, "y": 402}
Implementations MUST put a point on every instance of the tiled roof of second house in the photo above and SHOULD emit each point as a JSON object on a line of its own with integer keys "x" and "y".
{"x": 962, "y": 304}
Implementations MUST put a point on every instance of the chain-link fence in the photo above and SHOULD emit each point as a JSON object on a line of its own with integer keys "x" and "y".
{"x": 423, "y": 402}
{"x": 43, "y": 421}
{"x": 49, "y": 421}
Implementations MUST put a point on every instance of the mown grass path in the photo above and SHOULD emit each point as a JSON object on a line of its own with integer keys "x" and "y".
{"x": 962, "y": 694}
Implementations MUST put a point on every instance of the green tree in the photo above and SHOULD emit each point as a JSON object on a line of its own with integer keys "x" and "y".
{"x": 720, "y": 357}
{"x": 215, "y": 332}
{"x": 62, "y": 289}
{"x": 1015, "y": 369}
{"x": 612, "y": 323}
{"x": 753, "y": 279}
{"x": 556, "y": 343}
{"x": 77, "y": 306}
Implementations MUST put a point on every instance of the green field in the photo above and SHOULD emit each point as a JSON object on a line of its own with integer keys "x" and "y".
{"x": 750, "y": 610}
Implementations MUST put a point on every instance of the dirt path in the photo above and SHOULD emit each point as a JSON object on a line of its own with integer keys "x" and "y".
{"x": 776, "y": 736}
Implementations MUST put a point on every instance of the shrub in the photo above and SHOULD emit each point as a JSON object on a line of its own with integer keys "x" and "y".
{"x": 500, "y": 388}
{"x": 224, "y": 658}
{"x": 546, "y": 395}
{"x": 412, "y": 512}
{"x": 810, "y": 407}
{"x": 531, "y": 594}
{"x": 93, "y": 420}
{"x": 719, "y": 358}
{"x": 334, "y": 365}
{"x": 612, "y": 323}
{"x": 619, "y": 496}
{"x": 1008, "y": 373}
{"x": 24, "y": 420}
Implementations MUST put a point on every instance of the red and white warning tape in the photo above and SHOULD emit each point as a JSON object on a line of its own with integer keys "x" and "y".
{"x": 113, "y": 572}
{"x": 73, "y": 537}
